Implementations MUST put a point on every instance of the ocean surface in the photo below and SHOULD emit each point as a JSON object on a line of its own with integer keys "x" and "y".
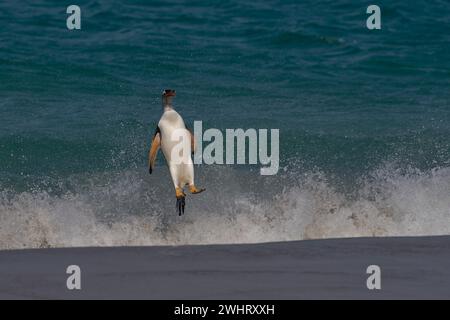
{"x": 364, "y": 119}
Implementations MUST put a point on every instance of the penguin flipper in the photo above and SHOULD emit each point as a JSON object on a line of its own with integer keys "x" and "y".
{"x": 156, "y": 143}
{"x": 193, "y": 142}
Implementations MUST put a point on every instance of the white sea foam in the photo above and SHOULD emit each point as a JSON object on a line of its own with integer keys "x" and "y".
{"x": 130, "y": 210}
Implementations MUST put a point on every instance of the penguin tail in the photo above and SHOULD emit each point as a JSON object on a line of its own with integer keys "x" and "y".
{"x": 181, "y": 203}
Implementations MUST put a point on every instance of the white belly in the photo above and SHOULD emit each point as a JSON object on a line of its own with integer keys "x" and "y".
{"x": 176, "y": 147}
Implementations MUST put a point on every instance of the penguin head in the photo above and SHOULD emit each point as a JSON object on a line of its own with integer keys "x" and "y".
{"x": 169, "y": 93}
{"x": 167, "y": 97}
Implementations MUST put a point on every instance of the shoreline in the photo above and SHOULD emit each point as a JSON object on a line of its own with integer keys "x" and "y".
{"x": 411, "y": 268}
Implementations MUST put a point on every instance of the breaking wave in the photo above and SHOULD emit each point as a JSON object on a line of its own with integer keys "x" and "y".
{"x": 127, "y": 209}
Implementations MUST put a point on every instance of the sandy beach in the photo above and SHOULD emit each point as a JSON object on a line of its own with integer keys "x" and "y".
{"x": 411, "y": 268}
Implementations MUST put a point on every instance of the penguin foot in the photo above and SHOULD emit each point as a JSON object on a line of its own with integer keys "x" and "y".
{"x": 181, "y": 203}
{"x": 194, "y": 190}
{"x": 179, "y": 193}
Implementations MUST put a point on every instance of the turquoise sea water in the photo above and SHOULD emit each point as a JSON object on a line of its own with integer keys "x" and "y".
{"x": 364, "y": 119}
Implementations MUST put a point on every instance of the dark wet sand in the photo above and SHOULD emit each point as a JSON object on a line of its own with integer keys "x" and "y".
{"x": 323, "y": 269}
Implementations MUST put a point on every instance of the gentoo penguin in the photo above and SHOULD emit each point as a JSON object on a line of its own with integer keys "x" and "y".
{"x": 177, "y": 144}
